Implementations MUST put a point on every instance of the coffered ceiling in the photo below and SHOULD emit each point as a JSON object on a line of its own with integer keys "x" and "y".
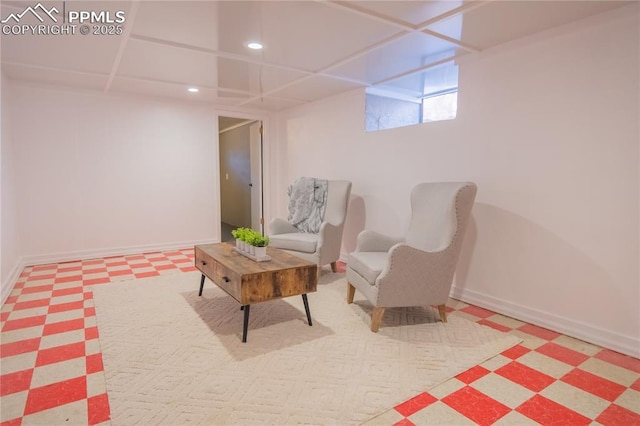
{"x": 312, "y": 49}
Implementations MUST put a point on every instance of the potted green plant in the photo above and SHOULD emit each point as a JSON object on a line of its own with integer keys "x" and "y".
{"x": 251, "y": 242}
{"x": 260, "y": 243}
{"x": 241, "y": 235}
{"x": 236, "y": 234}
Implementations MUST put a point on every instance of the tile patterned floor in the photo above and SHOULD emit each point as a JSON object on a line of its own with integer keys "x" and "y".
{"x": 51, "y": 368}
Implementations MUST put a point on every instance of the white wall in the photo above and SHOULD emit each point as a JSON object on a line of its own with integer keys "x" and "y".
{"x": 100, "y": 174}
{"x": 10, "y": 265}
{"x": 548, "y": 129}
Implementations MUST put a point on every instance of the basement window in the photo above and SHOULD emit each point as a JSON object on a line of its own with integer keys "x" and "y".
{"x": 386, "y": 111}
{"x": 443, "y": 106}
{"x": 396, "y": 105}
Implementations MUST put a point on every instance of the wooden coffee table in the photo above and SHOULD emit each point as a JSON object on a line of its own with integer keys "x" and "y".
{"x": 251, "y": 282}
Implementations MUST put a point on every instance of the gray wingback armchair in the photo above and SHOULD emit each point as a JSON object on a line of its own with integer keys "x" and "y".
{"x": 416, "y": 270}
{"x": 324, "y": 247}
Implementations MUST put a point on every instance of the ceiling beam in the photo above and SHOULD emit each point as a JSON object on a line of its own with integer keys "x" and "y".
{"x": 131, "y": 18}
{"x": 410, "y": 28}
{"x": 417, "y": 70}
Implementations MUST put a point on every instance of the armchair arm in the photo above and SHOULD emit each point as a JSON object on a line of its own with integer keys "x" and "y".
{"x": 281, "y": 226}
{"x": 374, "y": 241}
{"x": 414, "y": 275}
{"x": 329, "y": 243}
{"x": 328, "y": 234}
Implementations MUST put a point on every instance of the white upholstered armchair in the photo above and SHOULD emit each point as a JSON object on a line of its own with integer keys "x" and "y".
{"x": 416, "y": 270}
{"x": 323, "y": 247}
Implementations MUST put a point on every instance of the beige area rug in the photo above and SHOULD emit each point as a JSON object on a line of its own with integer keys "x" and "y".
{"x": 171, "y": 357}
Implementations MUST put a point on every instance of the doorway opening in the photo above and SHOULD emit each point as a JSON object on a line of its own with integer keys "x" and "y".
{"x": 241, "y": 175}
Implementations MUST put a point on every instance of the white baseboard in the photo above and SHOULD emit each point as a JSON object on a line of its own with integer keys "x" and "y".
{"x": 25, "y": 261}
{"x": 628, "y": 345}
{"x": 106, "y": 252}
{"x": 10, "y": 281}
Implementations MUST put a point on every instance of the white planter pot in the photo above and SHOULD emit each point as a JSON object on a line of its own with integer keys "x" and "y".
{"x": 260, "y": 251}
{"x": 252, "y": 250}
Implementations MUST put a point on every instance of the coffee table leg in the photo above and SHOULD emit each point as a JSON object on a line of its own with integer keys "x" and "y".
{"x": 201, "y": 285}
{"x": 306, "y": 308}
{"x": 245, "y": 308}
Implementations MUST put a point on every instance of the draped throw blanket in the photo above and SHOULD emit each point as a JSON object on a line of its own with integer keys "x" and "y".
{"x": 307, "y": 203}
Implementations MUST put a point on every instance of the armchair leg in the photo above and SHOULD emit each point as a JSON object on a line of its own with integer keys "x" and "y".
{"x": 351, "y": 291}
{"x": 442, "y": 309}
{"x": 334, "y": 267}
{"x": 376, "y": 318}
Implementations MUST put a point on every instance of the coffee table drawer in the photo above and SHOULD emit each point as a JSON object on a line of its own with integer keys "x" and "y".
{"x": 222, "y": 276}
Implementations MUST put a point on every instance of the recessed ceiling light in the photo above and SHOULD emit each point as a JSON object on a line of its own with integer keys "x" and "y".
{"x": 193, "y": 89}
{"x": 254, "y": 45}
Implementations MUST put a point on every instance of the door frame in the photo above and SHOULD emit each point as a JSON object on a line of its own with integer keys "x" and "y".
{"x": 266, "y": 169}
{"x": 256, "y": 160}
